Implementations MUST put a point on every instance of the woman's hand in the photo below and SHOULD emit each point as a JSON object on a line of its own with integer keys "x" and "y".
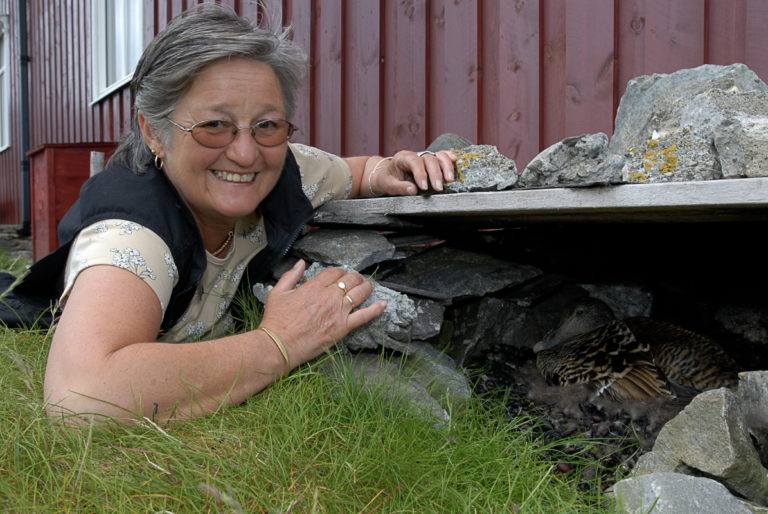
{"x": 407, "y": 172}
{"x": 314, "y": 316}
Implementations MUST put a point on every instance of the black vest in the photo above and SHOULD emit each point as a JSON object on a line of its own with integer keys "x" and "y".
{"x": 151, "y": 200}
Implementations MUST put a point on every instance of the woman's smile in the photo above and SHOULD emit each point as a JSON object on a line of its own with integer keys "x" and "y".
{"x": 234, "y": 177}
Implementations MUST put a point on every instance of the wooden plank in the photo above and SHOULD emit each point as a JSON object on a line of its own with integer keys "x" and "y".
{"x": 717, "y": 200}
{"x": 454, "y": 68}
{"x": 362, "y": 60}
{"x": 755, "y": 54}
{"x": 552, "y": 71}
{"x": 726, "y": 31}
{"x": 589, "y": 62}
{"x": 510, "y": 92}
{"x": 404, "y": 83}
{"x": 327, "y": 85}
{"x": 297, "y": 14}
{"x": 674, "y": 35}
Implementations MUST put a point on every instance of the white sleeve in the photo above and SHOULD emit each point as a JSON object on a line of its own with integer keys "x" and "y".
{"x": 126, "y": 245}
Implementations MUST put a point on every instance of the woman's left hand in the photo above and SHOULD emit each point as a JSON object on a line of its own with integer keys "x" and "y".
{"x": 406, "y": 173}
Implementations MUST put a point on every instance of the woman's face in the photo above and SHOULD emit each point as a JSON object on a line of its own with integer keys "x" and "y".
{"x": 220, "y": 185}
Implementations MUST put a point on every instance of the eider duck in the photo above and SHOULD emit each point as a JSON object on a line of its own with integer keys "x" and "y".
{"x": 635, "y": 358}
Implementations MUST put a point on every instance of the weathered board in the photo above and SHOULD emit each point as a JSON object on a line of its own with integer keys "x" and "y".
{"x": 717, "y": 200}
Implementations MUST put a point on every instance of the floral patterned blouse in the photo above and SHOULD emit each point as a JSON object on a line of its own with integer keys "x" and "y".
{"x": 137, "y": 249}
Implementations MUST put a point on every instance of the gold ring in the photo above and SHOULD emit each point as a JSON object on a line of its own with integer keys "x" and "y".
{"x": 342, "y": 286}
{"x": 351, "y": 302}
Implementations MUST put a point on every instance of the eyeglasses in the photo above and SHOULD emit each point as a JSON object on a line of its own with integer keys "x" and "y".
{"x": 220, "y": 133}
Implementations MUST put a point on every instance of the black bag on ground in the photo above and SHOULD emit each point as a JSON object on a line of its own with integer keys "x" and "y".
{"x": 32, "y": 301}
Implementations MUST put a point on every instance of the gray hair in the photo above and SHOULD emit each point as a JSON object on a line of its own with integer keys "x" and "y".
{"x": 177, "y": 55}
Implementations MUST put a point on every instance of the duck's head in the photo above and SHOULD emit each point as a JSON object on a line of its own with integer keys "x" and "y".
{"x": 585, "y": 315}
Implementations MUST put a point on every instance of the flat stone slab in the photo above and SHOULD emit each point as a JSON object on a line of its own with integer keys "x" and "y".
{"x": 714, "y": 200}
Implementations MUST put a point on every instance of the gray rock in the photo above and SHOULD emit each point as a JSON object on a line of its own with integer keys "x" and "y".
{"x": 747, "y": 321}
{"x": 355, "y": 249}
{"x": 653, "y": 462}
{"x": 650, "y": 99}
{"x": 753, "y": 398}
{"x": 471, "y": 328}
{"x": 448, "y": 141}
{"x": 437, "y": 372}
{"x": 390, "y": 330}
{"x": 482, "y": 168}
{"x": 429, "y": 319}
{"x": 574, "y": 161}
{"x": 673, "y": 493}
{"x": 670, "y": 156}
{"x": 710, "y": 436}
{"x": 737, "y": 124}
{"x": 625, "y": 300}
{"x": 668, "y": 126}
{"x": 375, "y": 371}
{"x": 426, "y": 377}
{"x": 458, "y": 273}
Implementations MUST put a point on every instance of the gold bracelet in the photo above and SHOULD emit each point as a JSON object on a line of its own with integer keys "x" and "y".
{"x": 374, "y": 170}
{"x": 280, "y": 346}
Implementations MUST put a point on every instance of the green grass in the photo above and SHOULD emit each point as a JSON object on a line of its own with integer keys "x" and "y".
{"x": 306, "y": 444}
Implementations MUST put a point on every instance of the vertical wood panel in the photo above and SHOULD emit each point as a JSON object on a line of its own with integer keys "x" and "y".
{"x": 362, "y": 61}
{"x": 327, "y": 87}
{"x": 511, "y": 78}
{"x": 756, "y": 34}
{"x": 298, "y": 14}
{"x": 674, "y": 35}
{"x": 552, "y": 106}
{"x": 727, "y": 31}
{"x": 404, "y": 97}
{"x": 589, "y": 60}
{"x": 454, "y": 69}
{"x": 58, "y": 130}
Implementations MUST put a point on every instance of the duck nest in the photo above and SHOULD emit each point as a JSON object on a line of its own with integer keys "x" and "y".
{"x": 575, "y": 425}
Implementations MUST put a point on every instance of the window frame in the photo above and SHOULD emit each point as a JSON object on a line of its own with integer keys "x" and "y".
{"x": 101, "y": 41}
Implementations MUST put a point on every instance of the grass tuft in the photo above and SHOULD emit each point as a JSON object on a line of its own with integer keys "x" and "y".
{"x": 309, "y": 443}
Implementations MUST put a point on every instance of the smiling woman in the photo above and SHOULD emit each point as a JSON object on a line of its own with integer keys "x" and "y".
{"x": 204, "y": 194}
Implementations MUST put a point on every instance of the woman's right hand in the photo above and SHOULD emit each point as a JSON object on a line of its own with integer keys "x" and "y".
{"x": 316, "y": 315}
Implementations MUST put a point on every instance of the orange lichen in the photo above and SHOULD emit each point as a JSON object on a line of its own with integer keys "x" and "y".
{"x": 633, "y": 176}
{"x": 665, "y": 159}
{"x": 463, "y": 161}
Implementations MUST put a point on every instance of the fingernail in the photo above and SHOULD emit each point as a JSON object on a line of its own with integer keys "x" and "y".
{"x": 411, "y": 190}
{"x": 424, "y": 184}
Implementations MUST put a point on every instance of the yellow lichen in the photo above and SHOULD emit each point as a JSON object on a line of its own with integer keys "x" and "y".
{"x": 633, "y": 176}
{"x": 665, "y": 158}
{"x": 463, "y": 161}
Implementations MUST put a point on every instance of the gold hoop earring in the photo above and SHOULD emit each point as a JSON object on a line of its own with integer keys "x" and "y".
{"x": 158, "y": 161}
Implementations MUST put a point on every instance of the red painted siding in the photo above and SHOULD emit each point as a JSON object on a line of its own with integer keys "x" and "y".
{"x": 386, "y": 75}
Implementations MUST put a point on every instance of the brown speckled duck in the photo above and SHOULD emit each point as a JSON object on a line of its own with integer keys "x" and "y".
{"x": 633, "y": 358}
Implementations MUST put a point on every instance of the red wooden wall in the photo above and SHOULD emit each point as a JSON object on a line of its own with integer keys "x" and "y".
{"x": 391, "y": 74}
